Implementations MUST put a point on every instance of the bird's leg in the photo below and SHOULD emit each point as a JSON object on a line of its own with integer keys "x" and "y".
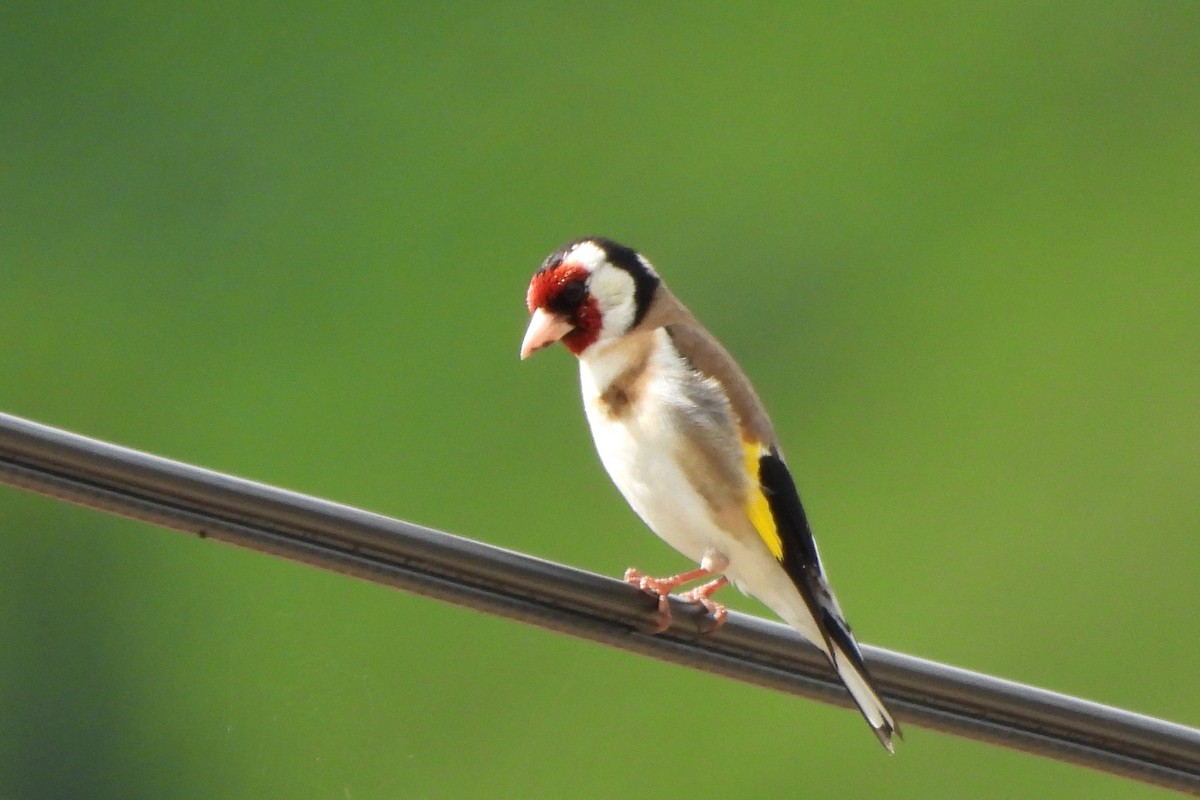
{"x": 662, "y": 588}
{"x": 712, "y": 563}
{"x": 703, "y": 596}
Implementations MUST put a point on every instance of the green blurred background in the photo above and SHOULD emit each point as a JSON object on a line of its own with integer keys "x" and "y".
{"x": 956, "y": 246}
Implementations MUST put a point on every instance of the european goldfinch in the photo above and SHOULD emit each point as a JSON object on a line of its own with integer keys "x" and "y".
{"x": 688, "y": 443}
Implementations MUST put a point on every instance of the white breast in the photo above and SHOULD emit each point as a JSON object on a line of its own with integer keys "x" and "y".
{"x": 638, "y": 448}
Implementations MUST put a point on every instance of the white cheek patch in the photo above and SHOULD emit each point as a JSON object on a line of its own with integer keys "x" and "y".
{"x": 589, "y": 255}
{"x": 613, "y": 289}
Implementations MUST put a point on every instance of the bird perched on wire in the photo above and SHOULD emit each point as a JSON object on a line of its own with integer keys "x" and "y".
{"x": 687, "y": 441}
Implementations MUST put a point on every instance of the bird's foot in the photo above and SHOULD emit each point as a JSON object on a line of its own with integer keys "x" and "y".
{"x": 661, "y": 589}
{"x": 703, "y": 596}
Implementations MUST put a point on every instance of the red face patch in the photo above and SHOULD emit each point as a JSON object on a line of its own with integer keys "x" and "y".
{"x": 587, "y": 327}
{"x": 548, "y": 283}
{"x": 545, "y": 288}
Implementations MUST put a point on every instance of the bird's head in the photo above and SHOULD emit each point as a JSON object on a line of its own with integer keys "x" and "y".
{"x": 586, "y": 292}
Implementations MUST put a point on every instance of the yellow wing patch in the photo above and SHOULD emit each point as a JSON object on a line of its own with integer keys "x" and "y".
{"x": 756, "y": 502}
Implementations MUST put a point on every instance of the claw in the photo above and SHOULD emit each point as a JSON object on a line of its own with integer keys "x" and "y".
{"x": 661, "y": 589}
{"x": 703, "y": 596}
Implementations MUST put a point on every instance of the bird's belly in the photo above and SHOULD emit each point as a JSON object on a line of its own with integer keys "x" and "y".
{"x": 640, "y": 459}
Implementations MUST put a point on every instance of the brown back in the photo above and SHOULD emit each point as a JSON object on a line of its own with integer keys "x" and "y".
{"x": 711, "y": 359}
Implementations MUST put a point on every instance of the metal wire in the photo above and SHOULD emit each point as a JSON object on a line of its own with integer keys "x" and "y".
{"x": 186, "y": 498}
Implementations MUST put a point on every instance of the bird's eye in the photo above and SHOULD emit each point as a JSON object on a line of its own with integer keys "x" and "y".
{"x": 570, "y": 296}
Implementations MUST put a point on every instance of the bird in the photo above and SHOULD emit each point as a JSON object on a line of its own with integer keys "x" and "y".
{"x": 684, "y": 436}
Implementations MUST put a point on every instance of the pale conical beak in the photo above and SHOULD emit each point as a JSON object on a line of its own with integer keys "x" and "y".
{"x": 544, "y": 329}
